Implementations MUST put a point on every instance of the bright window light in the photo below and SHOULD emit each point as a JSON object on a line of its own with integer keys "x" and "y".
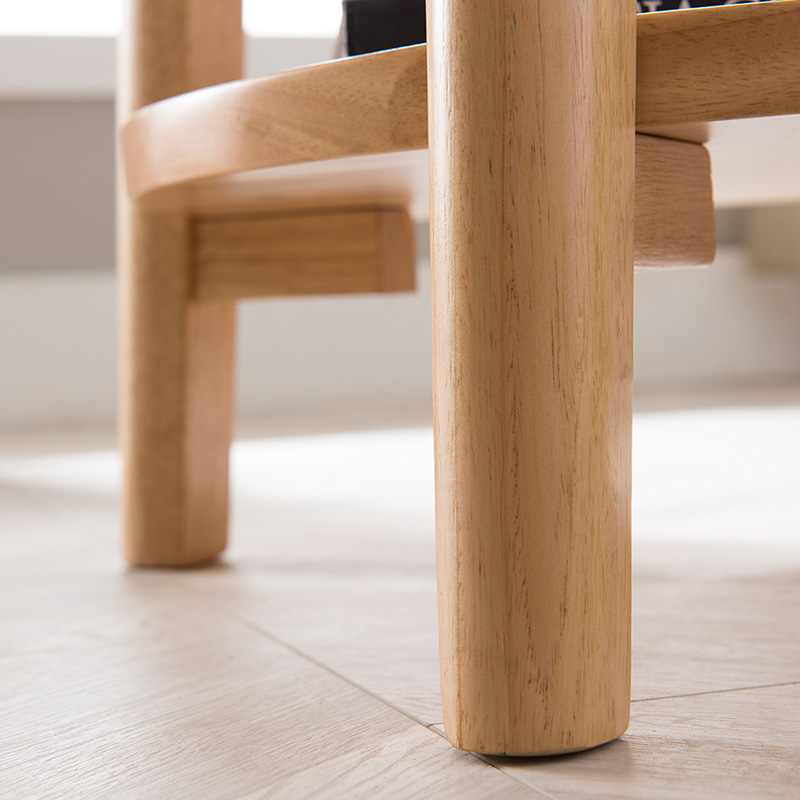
{"x": 266, "y": 18}
{"x": 292, "y": 18}
{"x": 60, "y": 17}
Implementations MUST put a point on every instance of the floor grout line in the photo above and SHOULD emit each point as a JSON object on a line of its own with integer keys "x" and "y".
{"x": 505, "y": 772}
{"x": 487, "y": 760}
{"x": 181, "y": 586}
{"x": 292, "y": 649}
{"x": 715, "y": 691}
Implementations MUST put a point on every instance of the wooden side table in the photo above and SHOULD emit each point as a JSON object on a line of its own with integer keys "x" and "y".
{"x": 542, "y": 195}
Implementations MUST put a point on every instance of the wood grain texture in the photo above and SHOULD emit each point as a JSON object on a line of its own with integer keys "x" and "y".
{"x": 755, "y": 160}
{"x": 297, "y": 254}
{"x": 713, "y": 64}
{"x": 177, "y": 356}
{"x": 532, "y": 185}
{"x": 176, "y": 399}
{"x": 355, "y": 106}
{"x": 397, "y": 180}
{"x": 674, "y": 224}
{"x": 179, "y": 46}
{"x": 718, "y": 63}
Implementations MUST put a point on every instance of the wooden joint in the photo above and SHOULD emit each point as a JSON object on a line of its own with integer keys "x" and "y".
{"x": 323, "y": 252}
{"x": 674, "y": 223}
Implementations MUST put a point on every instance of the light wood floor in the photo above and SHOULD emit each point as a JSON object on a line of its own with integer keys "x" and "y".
{"x": 305, "y": 664}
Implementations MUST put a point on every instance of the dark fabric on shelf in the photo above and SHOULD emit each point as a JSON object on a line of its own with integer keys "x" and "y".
{"x": 371, "y": 25}
{"x": 673, "y": 5}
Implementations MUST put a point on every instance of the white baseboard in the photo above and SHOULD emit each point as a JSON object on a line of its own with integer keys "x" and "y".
{"x": 58, "y": 343}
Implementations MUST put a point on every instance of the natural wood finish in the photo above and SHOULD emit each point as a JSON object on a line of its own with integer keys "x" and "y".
{"x": 718, "y": 63}
{"x": 179, "y": 46}
{"x": 398, "y": 180}
{"x": 328, "y": 253}
{"x": 531, "y": 138}
{"x": 713, "y": 64}
{"x": 532, "y": 180}
{"x": 396, "y": 250}
{"x": 354, "y": 106}
{"x": 674, "y": 224}
{"x": 176, "y": 397}
{"x": 674, "y": 221}
{"x": 755, "y": 160}
{"x": 177, "y": 355}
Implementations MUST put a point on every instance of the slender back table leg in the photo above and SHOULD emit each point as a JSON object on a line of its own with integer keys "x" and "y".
{"x": 531, "y": 112}
{"x": 177, "y": 355}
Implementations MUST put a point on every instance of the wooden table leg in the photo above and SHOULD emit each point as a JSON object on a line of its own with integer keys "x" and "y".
{"x": 531, "y": 112}
{"x": 177, "y": 353}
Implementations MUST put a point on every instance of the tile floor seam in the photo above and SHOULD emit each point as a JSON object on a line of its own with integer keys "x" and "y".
{"x": 715, "y": 691}
{"x": 505, "y": 772}
{"x": 291, "y": 648}
{"x": 487, "y": 760}
{"x": 429, "y": 726}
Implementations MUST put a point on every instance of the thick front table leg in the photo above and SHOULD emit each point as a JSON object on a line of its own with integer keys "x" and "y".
{"x": 532, "y": 144}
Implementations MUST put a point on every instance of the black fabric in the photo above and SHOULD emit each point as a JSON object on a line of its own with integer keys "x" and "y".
{"x": 371, "y": 25}
{"x": 672, "y": 5}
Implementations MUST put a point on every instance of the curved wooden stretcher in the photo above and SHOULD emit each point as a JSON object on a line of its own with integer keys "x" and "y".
{"x": 522, "y": 118}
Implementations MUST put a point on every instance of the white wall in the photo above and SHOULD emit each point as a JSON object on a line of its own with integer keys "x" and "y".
{"x": 723, "y": 323}
{"x": 58, "y": 342}
{"x": 58, "y": 351}
{"x": 83, "y": 68}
